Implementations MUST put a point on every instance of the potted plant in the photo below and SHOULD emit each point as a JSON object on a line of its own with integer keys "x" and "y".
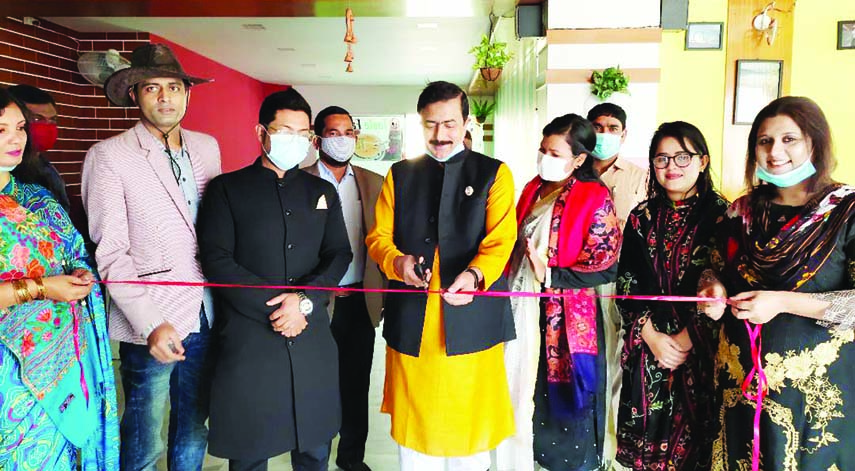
{"x": 609, "y": 81}
{"x": 490, "y": 57}
{"x": 482, "y": 110}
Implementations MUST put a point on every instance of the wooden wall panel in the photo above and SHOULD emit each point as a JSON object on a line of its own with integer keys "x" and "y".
{"x": 743, "y": 42}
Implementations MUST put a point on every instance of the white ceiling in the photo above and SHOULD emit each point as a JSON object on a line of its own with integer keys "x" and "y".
{"x": 390, "y": 50}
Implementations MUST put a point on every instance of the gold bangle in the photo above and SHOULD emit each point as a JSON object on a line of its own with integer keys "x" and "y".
{"x": 15, "y": 291}
{"x": 25, "y": 291}
{"x": 22, "y": 291}
{"x": 41, "y": 287}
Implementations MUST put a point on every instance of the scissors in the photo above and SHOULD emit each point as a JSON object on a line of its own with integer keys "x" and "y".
{"x": 421, "y": 271}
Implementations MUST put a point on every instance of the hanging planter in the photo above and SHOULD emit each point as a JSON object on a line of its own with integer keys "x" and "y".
{"x": 490, "y": 57}
{"x": 491, "y": 74}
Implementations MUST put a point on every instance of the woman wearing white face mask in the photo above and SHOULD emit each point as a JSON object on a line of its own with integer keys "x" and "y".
{"x": 568, "y": 242}
{"x": 788, "y": 254}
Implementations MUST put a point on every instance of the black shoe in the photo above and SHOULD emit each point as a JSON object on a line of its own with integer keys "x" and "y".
{"x": 358, "y": 466}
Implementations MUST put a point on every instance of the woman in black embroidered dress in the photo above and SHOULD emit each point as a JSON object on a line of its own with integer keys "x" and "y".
{"x": 788, "y": 260}
{"x": 666, "y": 413}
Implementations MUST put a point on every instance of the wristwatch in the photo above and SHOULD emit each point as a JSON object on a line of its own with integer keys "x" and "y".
{"x": 306, "y": 305}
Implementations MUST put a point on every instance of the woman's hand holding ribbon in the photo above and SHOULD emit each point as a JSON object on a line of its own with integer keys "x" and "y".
{"x": 710, "y": 286}
{"x": 68, "y": 288}
{"x": 759, "y": 307}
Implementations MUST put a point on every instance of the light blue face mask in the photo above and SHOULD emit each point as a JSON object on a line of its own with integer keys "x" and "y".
{"x": 791, "y": 178}
{"x": 608, "y": 145}
{"x": 7, "y": 169}
{"x": 457, "y": 149}
{"x": 287, "y": 150}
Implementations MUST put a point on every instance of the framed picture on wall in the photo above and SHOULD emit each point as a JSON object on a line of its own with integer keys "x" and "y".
{"x": 704, "y": 36}
{"x": 758, "y": 82}
{"x": 846, "y": 34}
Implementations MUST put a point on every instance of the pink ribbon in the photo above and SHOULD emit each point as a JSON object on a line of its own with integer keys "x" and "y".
{"x": 492, "y": 294}
{"x": 762, "y": 387}
{"x": 76, "y": 318}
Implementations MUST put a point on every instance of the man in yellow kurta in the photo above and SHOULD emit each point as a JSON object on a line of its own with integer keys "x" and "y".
{"x": 446, "y": 387}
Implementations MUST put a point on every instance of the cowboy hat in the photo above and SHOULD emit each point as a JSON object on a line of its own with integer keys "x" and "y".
{"x": 149, "y": 61}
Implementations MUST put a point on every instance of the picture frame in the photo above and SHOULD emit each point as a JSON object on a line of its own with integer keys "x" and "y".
{"x": 704, "y": 36}
{"x": 758, "y": 82}
{"x": 846, "y": 34}
{"x": 381, "y": 138}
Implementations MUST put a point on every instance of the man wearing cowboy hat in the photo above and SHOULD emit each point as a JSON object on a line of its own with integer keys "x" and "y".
{"x": 141, "y": 190}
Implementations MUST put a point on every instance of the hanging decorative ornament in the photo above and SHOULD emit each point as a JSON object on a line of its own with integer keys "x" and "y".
{"x": 764, "y": 23}
{"x": 349, "y": 38}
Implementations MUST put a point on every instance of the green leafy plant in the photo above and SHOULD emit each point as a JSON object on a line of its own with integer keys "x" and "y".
{"x": 609, "y": 81}
{"x": 490, "y": 55}
{"x": 482, "y": 110}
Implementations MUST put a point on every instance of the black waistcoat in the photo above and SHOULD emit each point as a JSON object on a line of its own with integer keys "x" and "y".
{"x": 445, "y": 205}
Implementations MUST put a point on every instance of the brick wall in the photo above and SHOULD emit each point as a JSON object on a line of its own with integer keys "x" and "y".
{"x": 45, "y": 56}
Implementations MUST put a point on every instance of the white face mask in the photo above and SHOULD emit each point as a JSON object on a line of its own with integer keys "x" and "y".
{"x": 287, "y": 150}
{"x": 458, "y": 149}
{"x": 338, "y": 148}
{"x": 551, "y": 168}
{"x": 8, "y": 169}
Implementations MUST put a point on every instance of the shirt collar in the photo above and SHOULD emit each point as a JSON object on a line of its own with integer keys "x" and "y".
{"x": 327, "y": 173}
{"x": 618, "y": 164}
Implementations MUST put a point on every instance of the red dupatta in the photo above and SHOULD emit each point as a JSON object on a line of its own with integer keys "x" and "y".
{"x": 585, "y": 237}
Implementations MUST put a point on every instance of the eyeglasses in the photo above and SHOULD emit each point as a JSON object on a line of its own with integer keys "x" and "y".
{"x": 681, "y": 159}
{"x": 284, "y": 131}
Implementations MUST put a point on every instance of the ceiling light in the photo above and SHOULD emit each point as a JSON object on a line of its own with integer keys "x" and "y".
{"x": 427, "y": 49}
{"x": 253, "y": 27}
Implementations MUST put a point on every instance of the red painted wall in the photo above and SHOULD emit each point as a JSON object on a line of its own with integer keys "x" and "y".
{"x": 270, "y": 88}
{"x": 226, "y": 108}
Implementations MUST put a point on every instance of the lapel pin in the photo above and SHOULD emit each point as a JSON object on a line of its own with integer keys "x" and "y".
{"x": 469, "y": 191}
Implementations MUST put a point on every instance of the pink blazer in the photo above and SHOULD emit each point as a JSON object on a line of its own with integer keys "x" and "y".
{"x": 141, "y": 223}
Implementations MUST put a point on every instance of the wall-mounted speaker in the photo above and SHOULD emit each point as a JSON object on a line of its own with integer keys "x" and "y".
{"x": 675, "y": 14}
{"x": 529, "y": 21}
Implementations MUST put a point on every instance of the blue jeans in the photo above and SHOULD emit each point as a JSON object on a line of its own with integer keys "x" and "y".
{"x": 147, "y": 384}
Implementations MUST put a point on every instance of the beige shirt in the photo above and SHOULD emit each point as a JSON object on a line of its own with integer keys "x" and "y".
{"x": 628, "y": 185}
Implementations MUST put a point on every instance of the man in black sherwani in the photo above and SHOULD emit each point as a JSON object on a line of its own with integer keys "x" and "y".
{"x": 275, "y": 381}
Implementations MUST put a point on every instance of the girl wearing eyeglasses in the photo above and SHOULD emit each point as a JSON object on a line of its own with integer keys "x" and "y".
{"x": 666, "y": 416}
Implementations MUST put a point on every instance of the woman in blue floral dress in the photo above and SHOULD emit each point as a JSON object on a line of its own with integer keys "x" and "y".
{"x": 57, "y": 392}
